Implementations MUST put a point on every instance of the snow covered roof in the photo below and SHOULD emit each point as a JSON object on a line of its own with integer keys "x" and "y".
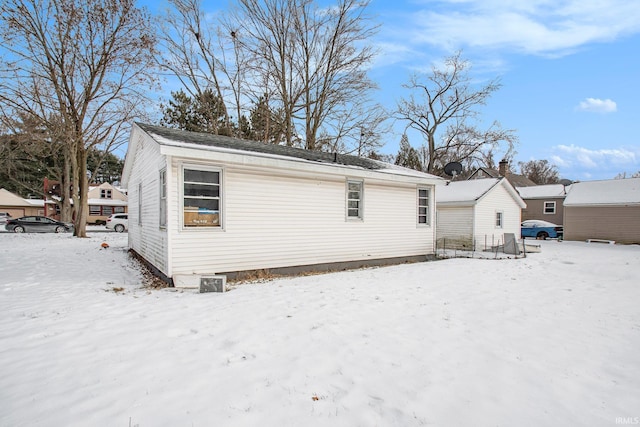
{"x": 465, "y": 191}
{"x": 469, "y": 192}
{"x": 180, "y": 138}
{"x": 604, "y": 193}
{"x": 543, "y": 191}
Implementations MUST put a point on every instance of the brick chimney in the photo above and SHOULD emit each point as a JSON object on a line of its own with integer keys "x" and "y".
{"x": 503, "y": 167}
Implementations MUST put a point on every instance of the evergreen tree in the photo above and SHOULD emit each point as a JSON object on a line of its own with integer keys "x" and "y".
{"x": 202, "y": 113}
{"x": 407, "y": 155}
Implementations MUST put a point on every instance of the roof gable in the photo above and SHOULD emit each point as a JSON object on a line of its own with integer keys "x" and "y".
{"x": 470, "y": 192}
{"x": 607, "y": 192}
{"x": 515, "y": 179}
{"x": 7, "y": 198}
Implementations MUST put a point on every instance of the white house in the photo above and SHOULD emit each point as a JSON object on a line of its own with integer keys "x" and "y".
{"x": 201, "y": 204}
{"x": 475, "y": 214}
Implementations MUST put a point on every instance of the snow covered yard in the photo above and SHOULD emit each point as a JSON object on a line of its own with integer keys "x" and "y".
{"x": 553, "y": 339}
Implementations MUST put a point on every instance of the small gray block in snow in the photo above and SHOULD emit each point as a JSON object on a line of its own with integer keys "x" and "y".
{"x": 510, "y": 244}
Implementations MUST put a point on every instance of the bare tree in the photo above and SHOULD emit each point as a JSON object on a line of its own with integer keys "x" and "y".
{"x": 540, "y": 171}
{"x": 625, "y": 175}
{"x": 313, "y": 58}
{"x": 78, "y": 67}
{"x": 189, "y": 52}
{"x": 443, "y": 109}
{"x": 471, "y": 147}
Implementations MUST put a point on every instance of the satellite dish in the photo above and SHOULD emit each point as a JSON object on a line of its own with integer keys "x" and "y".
{"x": 453, "y": 169}
{"x": 566, "y": 182}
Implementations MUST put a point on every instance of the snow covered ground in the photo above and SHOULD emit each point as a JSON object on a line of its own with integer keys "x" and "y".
{"x": 549, "y": 340}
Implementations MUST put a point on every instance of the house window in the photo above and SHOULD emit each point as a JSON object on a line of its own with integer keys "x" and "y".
{"x": 499, "y": 219}
{"x": 201, "y": 197}
{"x": 423, "y": 206}
{"x": 94, "y": 210}
{"x": 107, "y": 210}
{"x": 118, "y": 209}
{"x": 354, "y": 199}
{"x": 549, "y": 207}
{"x": 163, "y": 198}
{"x": 105, "y": 194}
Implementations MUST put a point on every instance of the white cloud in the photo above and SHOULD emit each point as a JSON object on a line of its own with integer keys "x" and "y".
{"x": 577, "y": 162}
{"x": 594, "y": 105}
{"x": 573, "y": 155}
{"x": 536, "y": 26}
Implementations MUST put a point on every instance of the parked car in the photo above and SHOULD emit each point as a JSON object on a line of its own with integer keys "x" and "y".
{"x": 118, "y": 222}
{"x": 37, "y": 224}
{"x": 541, "y": 229}
{"x": 4, "y": 217}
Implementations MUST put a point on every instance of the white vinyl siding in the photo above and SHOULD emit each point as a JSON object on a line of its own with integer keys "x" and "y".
{"x": 485, "y": 226}
{"x": 475, "y": 224}
{"x": 273, "y": 220}
{"x": 455, "y": 226}
{"x": 145, "y": 179}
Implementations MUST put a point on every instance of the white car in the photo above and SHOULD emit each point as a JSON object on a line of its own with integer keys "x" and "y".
{"x": 4, "y": 217}
{"x": 118, "y": 222}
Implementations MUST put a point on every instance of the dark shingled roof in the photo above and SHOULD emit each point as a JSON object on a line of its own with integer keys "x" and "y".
{"x": 211, "y": 140}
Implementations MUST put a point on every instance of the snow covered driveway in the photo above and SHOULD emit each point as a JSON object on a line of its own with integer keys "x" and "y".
{"x": 553, "y": 339}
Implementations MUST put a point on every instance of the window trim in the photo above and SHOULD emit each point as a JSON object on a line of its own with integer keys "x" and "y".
{"x": 162, "y": 209}
{"x": 221, "y": 195}
{"x": 360, "y": 216}
{"x": 544, "y": 207}
{"x": 418, "y": 206}
{"x": 499, "y": 216}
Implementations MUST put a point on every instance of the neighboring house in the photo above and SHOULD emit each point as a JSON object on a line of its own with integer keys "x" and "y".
{"x": 503, "y": 171}
{"x": 104, "y": 200}
{"x": 16, "y": 206}
{"x": 545, "y": 202}
{"x": 203, "y": 204}
{"x": 475, "y": 214}
{"x": 606, "y": 210}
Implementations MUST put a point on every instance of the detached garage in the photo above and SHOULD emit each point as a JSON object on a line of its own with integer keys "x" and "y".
{"x": 604, "y": 210}
{"x": 475, "y": 214}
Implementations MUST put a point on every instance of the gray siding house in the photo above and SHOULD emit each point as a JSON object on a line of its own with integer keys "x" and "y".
{"x": 544, "y": 202}
{"x": 606, "y": 210}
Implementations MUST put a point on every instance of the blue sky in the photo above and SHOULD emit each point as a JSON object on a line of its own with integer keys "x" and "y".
{"x": 570, "y": 71}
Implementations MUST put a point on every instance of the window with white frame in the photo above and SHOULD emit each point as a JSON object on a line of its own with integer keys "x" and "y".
{"x": 354, "y": 199}
{"x": 163, "y": 198}
{"x": 499, "y": 219}
{"x": 201, "y": 197}
{"x": 549, "y": 207}
{"x": 105, "y": 194}
{"x": 423, "y": 206}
